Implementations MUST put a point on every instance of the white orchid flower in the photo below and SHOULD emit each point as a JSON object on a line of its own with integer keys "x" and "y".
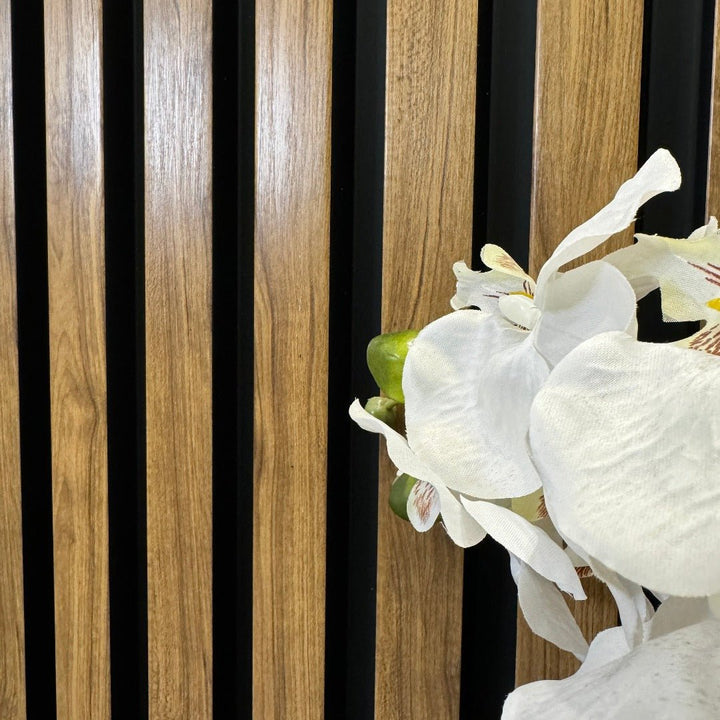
{"x": 673, "y": 674}
{"x": 470, "y": 379}
{"x": 626, "y": 438}
{"x": 687, "y": 271}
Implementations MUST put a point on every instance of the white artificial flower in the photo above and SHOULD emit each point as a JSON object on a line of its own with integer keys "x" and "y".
{"x": 470, "y": 379}
{"x": 626, "y": 438}
{"x": 687, "y": 271}
{"x": 672, "y": 675}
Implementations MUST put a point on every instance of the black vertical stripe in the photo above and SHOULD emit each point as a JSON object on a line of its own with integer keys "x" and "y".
{"x": 368, "y": 176}
{"x": 245, "y": 354}
{"x": 676, "y": 108}
{"x": 340, "y": 335}
{"x": 226, "y": 592}
{"x": 511, "y": 126}
{"x": 34, "y": 354}
{"x": 123, "y": 158}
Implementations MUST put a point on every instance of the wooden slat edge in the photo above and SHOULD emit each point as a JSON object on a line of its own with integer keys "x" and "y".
{"x": 178, "y": 274}
{"x": 12, "y": 631}
{"x": 293, "y": 80}
{"x": 75, "y": 207}
{"x": 430, "y": 101}
{"x": 587, "y": 108}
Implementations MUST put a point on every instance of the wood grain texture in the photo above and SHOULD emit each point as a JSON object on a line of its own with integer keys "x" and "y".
{"x": 293, "y": 79}
{"x": 178, "y": 272}
{"x": 587, "y": 108}
{"x": 430, "y": 101}
{"x": 712, "y": 204}
{"x": 12, "y": 632}
{"x": 76, "y": 277}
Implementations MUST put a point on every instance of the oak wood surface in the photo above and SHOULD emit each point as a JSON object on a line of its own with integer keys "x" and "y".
{"x": 430, "y": 101}
{"x": 713, "y": 176}
{"x": 75, "y": 213}
{"x": 587, "y": 112}
{"x": 177, "y": 61}
{"x": 292, "y": 111}
{"x": 587, "y": 106}
{"x": 12, "y": 631}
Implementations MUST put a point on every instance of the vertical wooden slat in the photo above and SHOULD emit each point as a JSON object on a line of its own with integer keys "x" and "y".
{"x": 12, "y": 634}
{"x": 177, "y": 49}
{"x": 713, "y": 177}
{"x": 587, "y": 107}
{"x": 293, "y": 75}
{"x": 430, "y": 101}
{"x": 75, "y": 208}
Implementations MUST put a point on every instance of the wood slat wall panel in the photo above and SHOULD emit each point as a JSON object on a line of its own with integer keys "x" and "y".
{"x": 587, "y": 109}
{"x": 713, "y": 176}
{"x": 12, "y": 632}
{"x": 293, "y": 78}
{"x": 178, "y": 220}
{"x": 75, "y": 212}
{"x": 430, "y": 101}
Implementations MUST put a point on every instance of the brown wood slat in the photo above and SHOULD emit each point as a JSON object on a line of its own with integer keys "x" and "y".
{"x": 75, "y": 210}
{"x": 12, "y": 631}
{"x": 430, "y": 99}
{"x": 293, "y": 72}
{"x": 713, "y": 179}
{"x": 587, "y": 107}
{"x": 177, "y": 36}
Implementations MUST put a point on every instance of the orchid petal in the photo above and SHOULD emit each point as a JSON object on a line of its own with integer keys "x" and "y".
{"x": 659, "y": 174}
{"x": 673, "y": 676}
{"x": 423, "y": 506}
{"x": 528, "y": 543}
{"x": 640, "y": 491}
{"x": 469, "y": 380}
{"x": 676, "y": 613}
{"x": 633, "y": 606}
{"x": 607, "y": 645}
{"x": 398, "y": 449}
{"x": 581, "y": 303}
{"x": 483, "y": 289}
{"x": 459, "y": 524}
{"x": 545, "y": 609}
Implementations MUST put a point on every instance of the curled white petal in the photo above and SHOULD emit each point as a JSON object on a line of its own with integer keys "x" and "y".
{"x": 659, "y": 174}
{"x": 545, "y": 609}
{"x": 528, "y": 543}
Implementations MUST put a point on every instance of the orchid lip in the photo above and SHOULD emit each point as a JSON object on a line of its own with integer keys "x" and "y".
{"x": 520, "y": 310}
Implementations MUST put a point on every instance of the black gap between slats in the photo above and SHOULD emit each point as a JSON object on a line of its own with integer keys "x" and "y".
{"x": 677, "y": 68}
{"x": 511, "y": 127}
{"x": 34, "y": 355}
{"x": 357, "y": 244}
{"x": 123, "y": 159}
{"x": 231, "y": 596}
{"x": 338, "y": 565}
{"x": 489, "y": 595}
{"x": 244, "y": 389}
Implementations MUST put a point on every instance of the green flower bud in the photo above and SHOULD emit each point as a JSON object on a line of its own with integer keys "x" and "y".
{"x": 386, "y": 357}
{"x": 385, "y": 409}
{"x": 399, "y": 492}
